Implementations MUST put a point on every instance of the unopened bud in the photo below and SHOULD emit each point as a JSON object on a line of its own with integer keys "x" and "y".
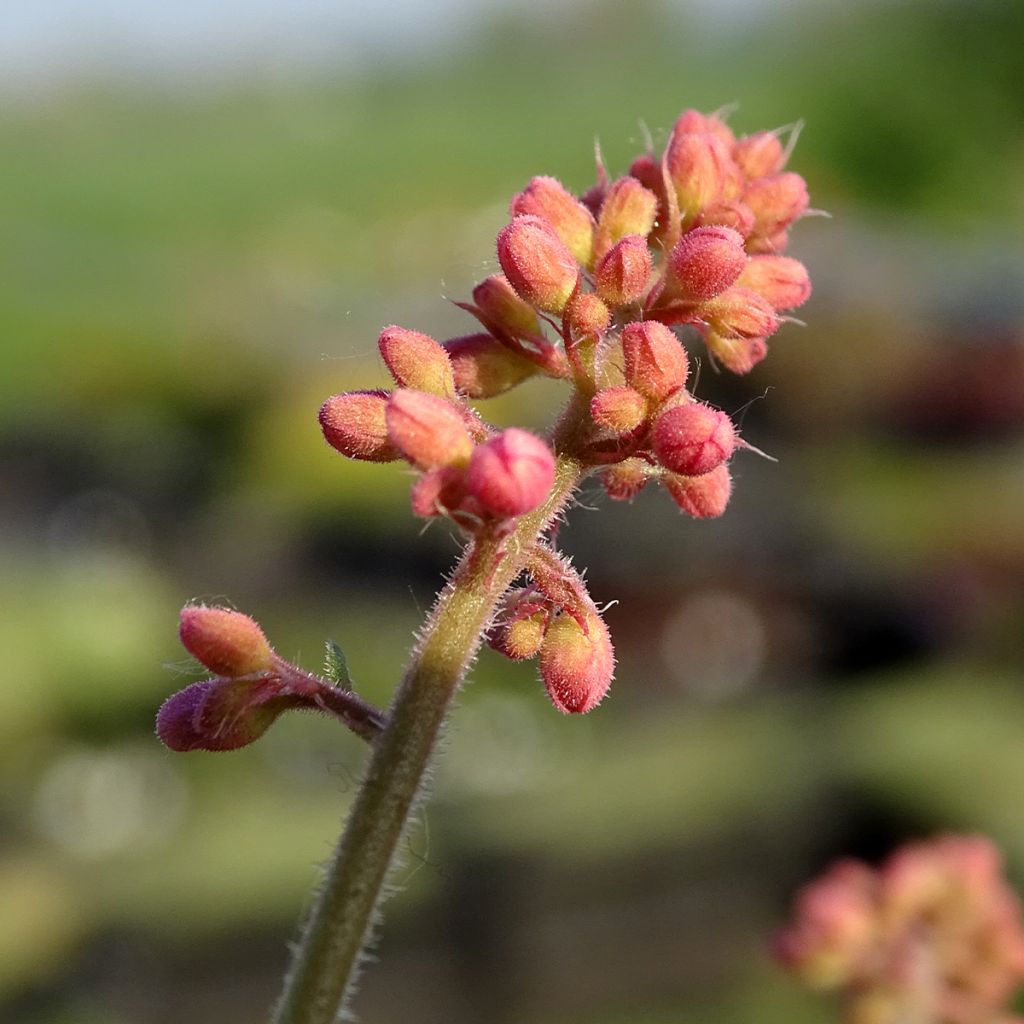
{"x": 740, "y": 355}
{"x": 503, "y": 309}
{"x": 703, "y": 497}
{"x": 759, "y": 155}
{"x": 734, "y": 214}
{"x": 549, "y": 199}
{"x": 417, "y": 361}
{"x": 690, "y": 121}
{"x": 619, "y": 409}
{"x": 706, "y": 261}
{"x": 587, "y": 315}
{"x": 577, "y": 663}
{"x": 438, "y": 492}
{"x": 354, "y": 424}
{"x": 512, "y": 473}
{"x": 625, "y": 480}
{"x": 701, "y": 170}
{"x": 484, "y": 367}
{"x": 784, "y": 282}
{"x": 628, "y": 209}
{"x": 692, "y": 438}
{"x": 776, "y": 202}
{"x": 622, "y": 274}
{"x": 537, "y": 263}
{"x": 228, "y": 643}
{"x": 428, "y": 430}
{"x": 175, "y": 721}
{"x": 521, "y": 633}
{"x": 655, "y": 361}
{"x": 740, "y": 313}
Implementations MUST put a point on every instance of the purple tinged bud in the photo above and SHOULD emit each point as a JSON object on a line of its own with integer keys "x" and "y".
{"x": 354, "y": 424}
{"x": 175, "y": 722}
{"x": 692, "y": 439}
{"x": 512, "y": 473}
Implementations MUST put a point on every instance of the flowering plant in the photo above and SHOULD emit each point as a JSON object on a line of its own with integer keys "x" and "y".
{"x": 593, "y": 291}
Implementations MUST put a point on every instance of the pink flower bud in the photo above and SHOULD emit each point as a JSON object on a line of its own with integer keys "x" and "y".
{"x": 784, "y": 282}
{"x": 705, "y": 262}
{"x": 503, "y": 309}
{"x": 577, "y": 663}
{"x": 625, "y": 480}
{"x": 226, "y": 642}
{"x": 484, "y": 367}
{"x": 701, "y": 171}
{"x": 623, "y": 272}
{"x": 354, "y": 424}
{"x": 588, "y": 316}
{"x": 692, "y": 439}
{"x": 760, "y": 155}
{"x": 548, "y": 199}
{"x": 656, "y": 364}
{"x": 690, "y": 121}
{"x": 740, "y": 313}
{"x": 628, "y": 209}
{"x": 417, "y": 361}
{"x": 776, "y": 202}
{"x": 428, "y": 430}
{"x": 537, "y": 263}
{"x": 618, "y": 409}
{"x": 735, "y": 215}
{"x": 703, "y": 497}
{"x": 439, "y": 492}
{"x": 740, "y": 355}
{"x": 512, "y": 473}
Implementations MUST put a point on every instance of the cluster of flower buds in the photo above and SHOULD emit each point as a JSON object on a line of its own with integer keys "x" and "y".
{"x": 251, "y": 686}
{"x": 933, "y": 935}
{"x": 556, "y": 619}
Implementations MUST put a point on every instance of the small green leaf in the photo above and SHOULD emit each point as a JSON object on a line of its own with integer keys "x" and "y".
{"x": 336, "y": 666}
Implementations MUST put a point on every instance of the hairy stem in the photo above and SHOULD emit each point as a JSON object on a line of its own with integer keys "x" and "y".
{"x": 327, "y": 958}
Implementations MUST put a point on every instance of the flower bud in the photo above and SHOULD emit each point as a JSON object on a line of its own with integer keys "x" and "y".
{"x": 577, "y": 663}
{"x": 693, "y": 439}
{"x": 503, "y": 309}
{"x": 656, "y": 363}
{"x": 417, "y": 361}
{"x": 438, "y": 492}
{"x": 521, "y": 633}
{"x": 628, "y": 209}
{"x": 703, "y": 497}
{"x": 228, "y": 643}
{"x": 740, "y": 313}
{"x": 690, "y": 121}
{"x": 735, "y": 215}
{"x": 537, "y": 263}
{"x": 740, "y": 355}
{"x": 776, "y": 202}
{"x": 759, "y": 155}
{"x": 625, "y": 480}
{"x": 618, "y": 409}
{"x": 428, "y": 430}
{"x": 354, "y": 424}
{"x": 512, "y": 473}
{"x": 701, "y": 170}
{"x": 175, "y": 721}
{"x": 705, "y": 262}
{"x": 621, "y": 275}
{"x": 588, "y": 316}
{"x": 484, "y": 367}
{"x": 784, "y": 282}
{"x": 548, "y": 199}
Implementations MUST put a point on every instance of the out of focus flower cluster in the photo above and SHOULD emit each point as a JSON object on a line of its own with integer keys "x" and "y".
{"x": 932, "y": 936}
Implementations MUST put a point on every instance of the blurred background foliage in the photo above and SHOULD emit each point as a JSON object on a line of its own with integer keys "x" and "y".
{"x": 192, "y": 261}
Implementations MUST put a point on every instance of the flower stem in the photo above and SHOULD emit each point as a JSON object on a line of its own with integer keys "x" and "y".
{"x": 326, "y": 960}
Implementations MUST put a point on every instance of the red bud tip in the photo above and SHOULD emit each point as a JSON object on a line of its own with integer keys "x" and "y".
{"x": 417, "y": 361}
{"x": 628, "y": 209}
{"x": 625, "y": 480}
{"x": 655, "y": 361}
{"x": 503, "y": 309}
{"x": 226, "y": 642}
{"x": 588, "y": 316}
{"x": 428, "y": 430}
{"x": 784, "y": 282}
{"x": 701, "y": 170}
{"x": 623, "y": 272}
{"x": 619, "y": 409}
{"x": 512, "y": 473}
{"x": 703, "y": 497}
{"x": 693, "y": 439}
{"x": 484, "y": 367}
{"x": 760, "y": 155}
{"x": 354, "y": 424}
{"x": 548, "y": 199}
{"x": 706, "y": 261}
{"x": 537, "y": 263}
{"x": 576, "y": 665}
{"x": 776, "y": 202}
{"x": 740, "y": 313}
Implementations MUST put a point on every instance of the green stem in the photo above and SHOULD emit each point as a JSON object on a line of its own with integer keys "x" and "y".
{"x": 327, "y": 959}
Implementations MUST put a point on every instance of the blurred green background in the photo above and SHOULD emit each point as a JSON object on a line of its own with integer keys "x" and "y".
{"x": 202, "y": 231}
